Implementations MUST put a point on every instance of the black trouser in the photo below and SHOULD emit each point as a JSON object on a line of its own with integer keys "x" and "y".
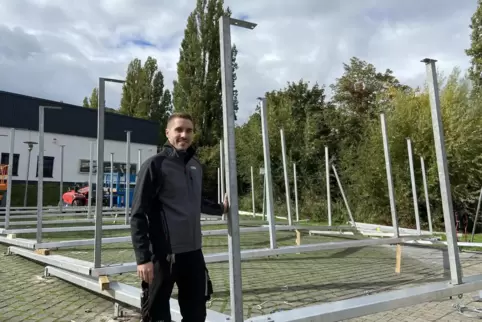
{"x": 191, "y": 277}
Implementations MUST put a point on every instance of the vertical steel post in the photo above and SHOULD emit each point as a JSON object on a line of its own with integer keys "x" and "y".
{"x": 427, "y": 199}
{"x": 219, "y": 185}
{"x": 328, "y": 189}
{"x": 223, "y": 171}
{"x": 295, "y": 179}
{"x": 477, "y": 211}
{"x": 40, "y": 177}
{"x": 414, "y": 186}
{"x": 139, "y": 159}
{"x": 443, "y": 172}
{"x": 345, "y": 200}
{"x": 230, "y": 165}
{"x": 91, "y": 171}
{"x": 287, "y": 180}
{"x": 265, "y": 215}
{"x": 30, "y": 147}
{"x": 252, "y": 192}
{"x": 61, "y": 189}
{"x": 111, "y": 183}
{"x": 9, "y": 178}
{"x": 267, "y": 173}
{"x": 99, "y": 196}
{"x": 128, "y": 177}
{"x": 388, "y": 167}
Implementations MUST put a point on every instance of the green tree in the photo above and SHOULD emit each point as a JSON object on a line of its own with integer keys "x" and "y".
{"x": 198, "y": 86}
{"x": 364, "y": 164}
{"x": 135, "y": 91}
{"x": 93, "y": 101}
{"x": 302, "y": 112}
{"x": 359, "y": 95}
{"x": 475, "y": 50}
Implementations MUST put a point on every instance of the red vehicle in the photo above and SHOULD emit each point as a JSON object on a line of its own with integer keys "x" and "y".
{"x": 76, "y": 196}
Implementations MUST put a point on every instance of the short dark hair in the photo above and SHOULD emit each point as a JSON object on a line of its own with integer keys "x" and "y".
{"x": 181, "y": 115}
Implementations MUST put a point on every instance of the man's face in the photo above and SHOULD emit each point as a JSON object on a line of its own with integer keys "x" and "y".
{"x": 179, "y": 133}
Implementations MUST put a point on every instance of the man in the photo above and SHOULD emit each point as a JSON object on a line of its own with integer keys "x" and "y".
{"x": 166, "y": 227}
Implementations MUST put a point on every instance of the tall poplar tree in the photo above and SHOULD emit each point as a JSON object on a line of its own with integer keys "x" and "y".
{"x": 475, "y": 50}
{"x": 135, "y": 91}
{"x": 93, "y": 101}
{"x": 198, "y": 86}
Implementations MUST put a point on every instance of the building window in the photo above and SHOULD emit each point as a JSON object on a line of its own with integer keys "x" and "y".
{"x": 16, "y": 158}
{"x": 118, "y": 167}
{"x": 85, "y": 164}
{"x": 48, "y": 167}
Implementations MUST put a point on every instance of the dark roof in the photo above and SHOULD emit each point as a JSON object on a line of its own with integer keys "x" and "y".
{"x": 21, "y": 112}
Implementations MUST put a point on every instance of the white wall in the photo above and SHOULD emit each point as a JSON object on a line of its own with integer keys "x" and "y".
{"x": 76, "y": 148}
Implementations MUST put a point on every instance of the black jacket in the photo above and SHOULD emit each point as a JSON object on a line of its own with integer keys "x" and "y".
{"x": 167, "y": 205}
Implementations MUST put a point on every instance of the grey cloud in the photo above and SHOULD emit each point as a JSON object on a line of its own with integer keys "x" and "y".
{"x": 311, "y": 38}
{"x": 16, "y": 44}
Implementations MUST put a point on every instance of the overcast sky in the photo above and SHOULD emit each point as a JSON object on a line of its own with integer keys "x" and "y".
{"x": 57, "y": 49}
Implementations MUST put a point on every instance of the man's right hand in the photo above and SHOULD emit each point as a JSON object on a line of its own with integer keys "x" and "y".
{"x": 146, "y": 272}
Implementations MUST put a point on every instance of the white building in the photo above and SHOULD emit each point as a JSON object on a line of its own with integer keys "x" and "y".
{"x": 74, "y": 127}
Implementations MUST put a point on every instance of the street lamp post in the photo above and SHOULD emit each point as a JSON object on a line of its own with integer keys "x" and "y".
{"x": 230, "y": 162}
{"x": 30, "y": 145}
{"x": 91, "y": 170}
{"x": 99, "y": 197}
{"x": 61, "y": 189}
{"x": 127, "y": 198}
{"x": 40, "y": 184}
{"x": 9, "y": 177}
{"x": 111, "y": 182}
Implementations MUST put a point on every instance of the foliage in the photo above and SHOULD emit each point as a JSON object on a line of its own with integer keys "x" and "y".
{"x": 197, "y": 89}
{"x": 348, "y": 124}
{"x": 93, "y": 101}
{"x": 475, "y": 50}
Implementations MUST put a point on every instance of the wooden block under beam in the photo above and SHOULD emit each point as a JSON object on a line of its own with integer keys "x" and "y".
{"x": 398, "y": 260}
{"x": 42, "y": 251}
{"x": 104, "y": 282}
{"x": 298, "y": 237}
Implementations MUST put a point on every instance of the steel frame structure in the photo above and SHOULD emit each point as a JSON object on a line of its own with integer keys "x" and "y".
{"x": 30, "y": 244}
{"x": 83, "y": 228}
{"x": 335, "y": 311}
{"x": 359, "y": 306}
{"x": 62, "y": 215}
{"x": 123, "y": 293}
{"x": 87, "y": 268}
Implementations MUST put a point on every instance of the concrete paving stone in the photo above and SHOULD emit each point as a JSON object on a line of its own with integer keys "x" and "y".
{"x": 269, "y": 284}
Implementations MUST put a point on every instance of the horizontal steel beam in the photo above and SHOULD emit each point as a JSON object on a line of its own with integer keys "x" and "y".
{"x": 25, "y": 243}
{"x": 371, "y": 304}
{"x": 126, "y": 239}
{"x": 61, "y": 229}
{"x": 58, "y": 221}
{"x": 265, "y": 252}
{"x": 87, "y": 228}
{"x": 71, "y": 264}
{"x": 387, "y": 229}
{"x": 124, "y": 293}
{"x": 65, "y": 208}
{"x": 248, "y": 213}
{"x": 62, "y": 215}
{"x": 56, "y": 210}
{"x": 439, "y": 242}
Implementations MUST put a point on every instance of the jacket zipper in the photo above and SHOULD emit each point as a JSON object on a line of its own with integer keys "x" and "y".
{"x": 189, "y": 184}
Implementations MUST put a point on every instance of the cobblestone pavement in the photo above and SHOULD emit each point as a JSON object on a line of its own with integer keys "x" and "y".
{"x": 276, "y": 283}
